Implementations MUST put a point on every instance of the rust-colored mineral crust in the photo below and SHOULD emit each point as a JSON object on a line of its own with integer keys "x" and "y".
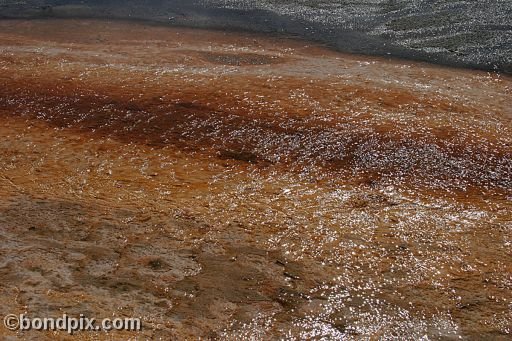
{"x": 232, "y": 186}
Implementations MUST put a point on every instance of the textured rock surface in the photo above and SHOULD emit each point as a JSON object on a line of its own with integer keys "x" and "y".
{"x": 465, "y": 33}
{"x": 235, "y": 187}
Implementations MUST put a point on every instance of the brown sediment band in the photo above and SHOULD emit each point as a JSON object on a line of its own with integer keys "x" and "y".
{"x": 350, "y": 149}
{"x": 263, "y": 102}
{"x": 238, "y": 59}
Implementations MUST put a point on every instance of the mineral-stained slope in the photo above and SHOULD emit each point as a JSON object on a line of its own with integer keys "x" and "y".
{"x": 233, "y": 186}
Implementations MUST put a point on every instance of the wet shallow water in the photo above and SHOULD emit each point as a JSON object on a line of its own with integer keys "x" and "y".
{"x": 234, "y": 186}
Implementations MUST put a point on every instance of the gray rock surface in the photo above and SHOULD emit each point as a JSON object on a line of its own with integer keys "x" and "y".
{"x": 476, "y": 34}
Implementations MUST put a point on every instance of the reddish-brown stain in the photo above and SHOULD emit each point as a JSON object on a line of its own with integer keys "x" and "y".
{"x": 205, "y": 113}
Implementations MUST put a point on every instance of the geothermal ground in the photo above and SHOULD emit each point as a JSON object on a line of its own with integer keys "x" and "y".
{"x": 474, "y": 34}
{"x": 231, "y": 186}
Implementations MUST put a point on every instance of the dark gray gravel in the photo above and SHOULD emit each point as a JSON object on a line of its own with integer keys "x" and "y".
{"x": 475, "y": 34}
